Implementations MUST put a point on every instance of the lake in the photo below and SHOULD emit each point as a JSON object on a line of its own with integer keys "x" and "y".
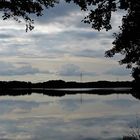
{"x": 71, "y": 117}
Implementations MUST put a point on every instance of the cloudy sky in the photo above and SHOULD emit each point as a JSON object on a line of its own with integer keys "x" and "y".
{"x": 60, "y": 47}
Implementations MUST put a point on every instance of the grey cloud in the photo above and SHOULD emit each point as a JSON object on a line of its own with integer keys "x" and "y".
{"x": 12, "y": 42}
{"x": 90, "y": 53}
{"x": 121, "y": 71}
{"x": 57, "y": 45}
{"x": 57, "y": 13}
{"x": 60, "y": 12}
{"x": 89, "y": 73}
{"x": 25, "y": 70}
{"x": 22, "y": 63}
{"x": 9, "y": 69}
{"x": 11, "y": 32}
{"x": 83, "y": 33}
{"x": 80, "y": 34}
{"x": 55, "y": 41}
{"x": 88, "y": 35}
{"x": 49, "y": 45}
{"x": 11, "y": 49}
{"x": 70, "y": 70}
{"x": 45, "y": 53}
{"x": 73, "y": 70}
{"x": 106, "y": 42}
{"x": 5, "y": 36}
{"x": 90, "y": 138}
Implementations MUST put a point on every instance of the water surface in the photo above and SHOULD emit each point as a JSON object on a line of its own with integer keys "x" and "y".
{"x": 71, "y": 117}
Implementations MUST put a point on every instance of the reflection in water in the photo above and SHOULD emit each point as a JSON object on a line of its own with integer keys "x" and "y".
{"x": 70, "y": 91}
{"x": 39, "y": 117}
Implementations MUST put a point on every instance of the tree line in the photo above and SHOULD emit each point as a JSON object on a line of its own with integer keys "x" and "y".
{"x": 51, "y": 88}
{"x": 63, "y": 84}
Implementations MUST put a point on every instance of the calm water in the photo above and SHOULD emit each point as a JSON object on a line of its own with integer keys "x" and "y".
{"x": 71, "y": 117}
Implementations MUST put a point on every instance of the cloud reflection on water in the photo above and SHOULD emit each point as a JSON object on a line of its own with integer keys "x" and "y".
{"x": 53, "y": 118}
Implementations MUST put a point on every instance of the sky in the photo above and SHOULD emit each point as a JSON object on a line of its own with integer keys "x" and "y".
{"x": 60, "y": 47}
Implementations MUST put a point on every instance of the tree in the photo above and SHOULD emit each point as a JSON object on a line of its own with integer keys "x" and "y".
{"x": 127, "y": 41}
{"x": 21, "y": 9}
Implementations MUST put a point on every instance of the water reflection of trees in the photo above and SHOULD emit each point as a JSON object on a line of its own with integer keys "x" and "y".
{"x": 60, "y": 93}
{"x": 136, "y": 95}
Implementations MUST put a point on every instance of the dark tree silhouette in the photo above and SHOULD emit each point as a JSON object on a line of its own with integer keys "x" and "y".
{"x": 136, "y": 75}
{"x": 127, "y": 41}
{"x": 21, "y": 9}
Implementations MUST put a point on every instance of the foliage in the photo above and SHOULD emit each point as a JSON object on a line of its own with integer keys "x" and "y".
{"x": 18, "y": 9}
{"x": 127, "y": 41}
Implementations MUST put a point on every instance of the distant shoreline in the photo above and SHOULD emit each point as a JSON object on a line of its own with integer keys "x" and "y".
{"x": 61, "y": 88}
{"x": 53, "y": 84}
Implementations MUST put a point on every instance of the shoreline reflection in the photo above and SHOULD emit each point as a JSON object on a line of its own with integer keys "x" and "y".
{"x": 63, "y": 92}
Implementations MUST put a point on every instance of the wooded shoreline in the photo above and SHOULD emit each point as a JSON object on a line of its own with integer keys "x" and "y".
{"x": 62, "y": 84}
